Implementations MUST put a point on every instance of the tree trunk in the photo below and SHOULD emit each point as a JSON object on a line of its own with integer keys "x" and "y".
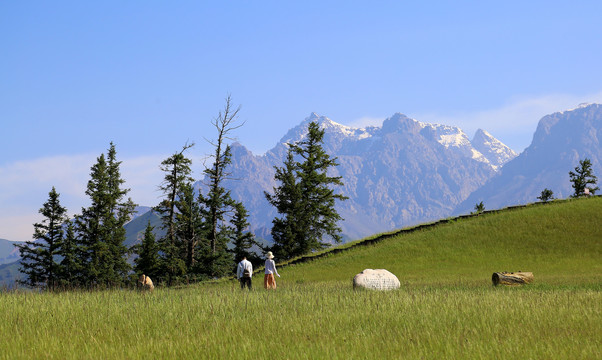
{"x": 512, "y": 278}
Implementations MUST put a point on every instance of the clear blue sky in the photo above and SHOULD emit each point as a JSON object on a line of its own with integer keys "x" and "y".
{"x": 150, "y": 75}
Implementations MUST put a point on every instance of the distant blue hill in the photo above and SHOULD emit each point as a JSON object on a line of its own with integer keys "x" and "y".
{"x": 9, "y": 274}
{"x": 8, "y": 252}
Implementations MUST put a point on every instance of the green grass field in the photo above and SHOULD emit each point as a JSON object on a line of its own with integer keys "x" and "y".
{"x": 446, "y": 307}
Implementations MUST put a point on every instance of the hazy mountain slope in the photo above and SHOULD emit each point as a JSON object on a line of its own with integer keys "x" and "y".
{"x": 8, "y": 252}
{"x": 560, "y": 141}
{"x": 134, "y": 230}
{"x": 9, "y": 274}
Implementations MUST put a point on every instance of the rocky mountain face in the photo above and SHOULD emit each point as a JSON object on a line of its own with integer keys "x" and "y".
{"x": 560, "y": 141}
{"x": 402, "y": 173}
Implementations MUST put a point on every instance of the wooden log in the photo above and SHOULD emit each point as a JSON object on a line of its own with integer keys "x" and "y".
{"x": 512, "y": 278}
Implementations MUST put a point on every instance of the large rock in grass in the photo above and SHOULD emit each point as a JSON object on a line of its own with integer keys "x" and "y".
{"x": 376, "y": 279}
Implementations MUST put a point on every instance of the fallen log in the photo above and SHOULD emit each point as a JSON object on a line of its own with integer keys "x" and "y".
{"x": 512, "y": 278}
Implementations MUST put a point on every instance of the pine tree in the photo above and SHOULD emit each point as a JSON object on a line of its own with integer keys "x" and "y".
{"x": 306, "y": 198}
{"x": 215, "y": 259}
{"x": 39, "y": 256}
{"x": 89, "y": 226}
{"x": 546, "y": 195}
{"x": 241, "y": 238}
{"x": 287, "y": 201}
{"x": 582, "y": 177}
{"x": 100, "y": 226}
{"x": 119, "y": 214}
{"x": 479, "y": 207}
{"x": 70, "y": 267}
{"x": 319, "y": 216}
{"x": 189, "y": 227}
{"x": 147, "y": 261}
{"x": 177, "y": 175}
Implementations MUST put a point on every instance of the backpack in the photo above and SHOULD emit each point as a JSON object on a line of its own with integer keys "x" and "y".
{"x": 246, "y": 273}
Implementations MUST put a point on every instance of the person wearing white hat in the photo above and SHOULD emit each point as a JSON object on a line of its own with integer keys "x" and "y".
{"x": 269, "y": 282}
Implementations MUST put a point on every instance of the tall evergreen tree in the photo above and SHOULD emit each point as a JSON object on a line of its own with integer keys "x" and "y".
{"x": 39, "y": 256}
{"x": 218, "y": 202}
{"x": 177, "y": 175}
{"x": 309, "y": 205}
{"x": 89, "y": 226}
{"x": 189, "y": 227}
{"x": 70, "y": 252}
{"x": 241, "y": 238}
{"x": 318, "y": 197}
{"x": 100, "y": 226}
{"x": 119, "y": 214}
{"x": 582, "y": 177}
{"x": 147, "y": 261}
{"x": 287, "y": 201}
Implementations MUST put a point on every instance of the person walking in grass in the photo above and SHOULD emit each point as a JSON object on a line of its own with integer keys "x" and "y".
{"x": 244, "y": 273}
{"x": 269, "y": 282}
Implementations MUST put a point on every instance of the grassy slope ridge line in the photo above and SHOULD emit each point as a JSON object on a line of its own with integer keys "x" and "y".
{"x": 379, "y": 237}
{"x": 556, "y": 240}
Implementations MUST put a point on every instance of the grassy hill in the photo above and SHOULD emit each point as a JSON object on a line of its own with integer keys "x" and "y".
{"x": 560, "y": 242}
{"x": 446, "y": 307}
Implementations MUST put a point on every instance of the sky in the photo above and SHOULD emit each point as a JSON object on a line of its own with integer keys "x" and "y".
{"x": 150, "y": 76}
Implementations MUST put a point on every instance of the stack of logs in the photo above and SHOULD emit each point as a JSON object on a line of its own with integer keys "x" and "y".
{"x": 512, "y": 278}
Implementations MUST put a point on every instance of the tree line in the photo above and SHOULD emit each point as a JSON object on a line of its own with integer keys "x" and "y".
{"x": 203, "y": 234}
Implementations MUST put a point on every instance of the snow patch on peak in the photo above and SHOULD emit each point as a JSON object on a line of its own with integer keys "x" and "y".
{"x": 483, "y": 133}
{"x": 454, "y": 138}
{"x": 448, "y": 136}
{"x": 584, "y": 105}
{"x": 494, "y": 150}
{"x": 312, "y": 117}
{"x": 331, "y": 126}
{"x": 580, "y": 106}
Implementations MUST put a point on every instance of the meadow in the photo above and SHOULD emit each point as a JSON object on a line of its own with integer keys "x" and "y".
{"x": 446, "y": 307}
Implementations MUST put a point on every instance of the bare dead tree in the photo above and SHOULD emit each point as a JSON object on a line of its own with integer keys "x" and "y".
{"x": 218, "y": 202}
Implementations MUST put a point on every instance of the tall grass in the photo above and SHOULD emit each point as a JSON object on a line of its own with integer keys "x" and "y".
{"x": 446, "y": 307}
{"x": 325, "y": 320}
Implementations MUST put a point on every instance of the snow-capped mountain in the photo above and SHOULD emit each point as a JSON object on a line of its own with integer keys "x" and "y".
{"x": 401, "y": 173}
{"x": 560, "y": 141}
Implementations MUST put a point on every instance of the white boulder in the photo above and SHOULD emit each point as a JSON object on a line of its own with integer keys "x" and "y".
{"x": 376, "y": 279}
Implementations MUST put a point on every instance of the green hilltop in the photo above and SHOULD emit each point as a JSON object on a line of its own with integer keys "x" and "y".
{"x": 560, "y": 242}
